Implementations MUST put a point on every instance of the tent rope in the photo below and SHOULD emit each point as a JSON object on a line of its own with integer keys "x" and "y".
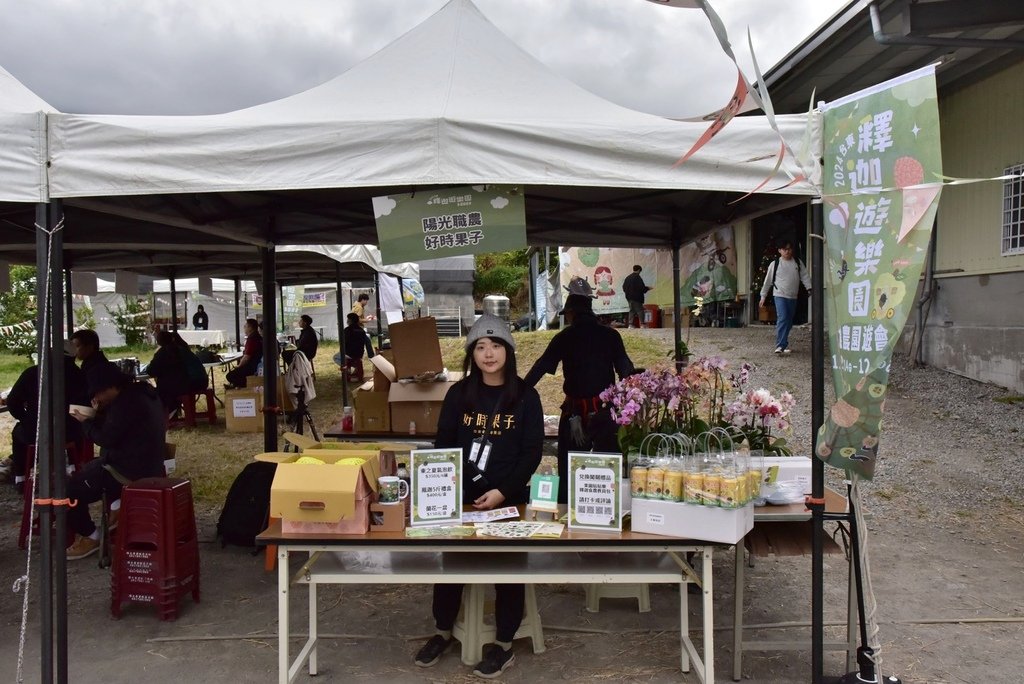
{"x": 24, "y": 583}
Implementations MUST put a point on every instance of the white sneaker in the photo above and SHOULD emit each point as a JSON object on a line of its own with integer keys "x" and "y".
{"x": 787, "y": 350}
{"x": 778, "y": 350}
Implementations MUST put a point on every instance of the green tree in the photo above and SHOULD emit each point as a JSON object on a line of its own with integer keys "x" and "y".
{"x": 85, "y": 317}
{"x": 131, "y": 320}
{"x": 17, "y": 308}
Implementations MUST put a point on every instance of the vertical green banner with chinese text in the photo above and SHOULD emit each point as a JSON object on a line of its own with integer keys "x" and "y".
{"x": 881, "y": 189}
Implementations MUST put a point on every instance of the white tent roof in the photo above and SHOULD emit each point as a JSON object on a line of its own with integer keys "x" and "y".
{"x": 452, "y": 101}
{"x": 366, "y": 254}
{"x": 22, "y": 142}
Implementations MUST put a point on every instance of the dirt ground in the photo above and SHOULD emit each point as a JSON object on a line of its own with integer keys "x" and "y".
{"x": 945, "y": 523}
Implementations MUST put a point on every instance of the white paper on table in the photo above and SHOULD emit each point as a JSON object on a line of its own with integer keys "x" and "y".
{"x": 491, "y": 515}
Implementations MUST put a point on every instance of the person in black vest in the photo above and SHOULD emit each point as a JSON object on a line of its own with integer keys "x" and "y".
{"x": 130, "y": 427}
{"x": 493, "y": 409}
{"x": 591, "y": 355}
{"x": 200, "y": 321}
{"x": 634, "y": 288}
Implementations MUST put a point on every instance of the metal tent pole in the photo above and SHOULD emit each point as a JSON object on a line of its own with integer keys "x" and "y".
{"x": 341, "y": 335}
{"x": 677, "y": 300}
{"x": 174, "y": 304}
{"x": 376, "y": 293}
{"x": 44, "y": 445}
{"x": 817, "y": 502}
{"x": 58, "y": 411}
{"x": 69, "y": 302}
{"x": 238, "y": 312}
{"x": 269, "y": 348}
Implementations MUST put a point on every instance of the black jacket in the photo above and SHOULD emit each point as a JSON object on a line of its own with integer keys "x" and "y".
{"x": 307, "y": 342}
{"x": 516, "y": 437}
{"x": 23, "y": 399}
{"x": 200, "y": 321}
{"x": 590, "y": 353}
{"x": 633, "y": 288}
{"x": 131, "y": 432}
{"x": 356, "y": 342}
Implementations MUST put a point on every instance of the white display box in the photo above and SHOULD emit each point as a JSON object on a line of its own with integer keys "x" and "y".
{"x": 791, "y": 468}
{"x": 688, "y": 521}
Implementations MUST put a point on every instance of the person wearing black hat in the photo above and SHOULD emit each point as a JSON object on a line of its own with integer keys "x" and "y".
{"x": 498, "y": 423}
{"x": 23, "y": 404}
{"x": 591, "y": 355}
{"x": 634, "y": 288}
{"x": 130, "y": 428}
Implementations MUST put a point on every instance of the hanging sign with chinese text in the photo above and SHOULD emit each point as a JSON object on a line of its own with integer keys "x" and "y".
{"x": 434, "y": 224}
{"x": 435, "y": 486}
{"x": 881, "y": 190}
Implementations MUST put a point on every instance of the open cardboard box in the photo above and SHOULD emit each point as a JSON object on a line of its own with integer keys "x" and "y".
{"x": 383, "y": 370}
{"x": 417, "y": 402}
{"x": 323, "y": 499}
{"x": 416, "y": 347}
{"x": 388, "y": 517}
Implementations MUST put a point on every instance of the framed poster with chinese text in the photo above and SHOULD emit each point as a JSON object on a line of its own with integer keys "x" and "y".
{"x": 594, "y": 482}
{"x": 435, "y": 486}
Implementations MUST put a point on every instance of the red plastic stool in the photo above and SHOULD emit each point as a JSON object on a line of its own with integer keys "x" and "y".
{"x": 27, "y": 521}
{"x": 156, "y": 554}
{"x": 189, "y": 401}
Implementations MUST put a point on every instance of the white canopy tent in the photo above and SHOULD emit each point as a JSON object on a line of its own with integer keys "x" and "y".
{"x": 453, "y": 101}
{"x": 22, "y": 142}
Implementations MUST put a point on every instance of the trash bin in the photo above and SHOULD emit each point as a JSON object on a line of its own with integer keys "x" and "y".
{"x": 652, "y": 316}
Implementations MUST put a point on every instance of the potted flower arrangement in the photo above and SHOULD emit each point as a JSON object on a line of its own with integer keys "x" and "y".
{"x": 754, "y": 414}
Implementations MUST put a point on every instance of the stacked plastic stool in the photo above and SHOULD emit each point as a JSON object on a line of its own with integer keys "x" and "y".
{"x": 156, "y": 554}
{"x": 473, "y": 633}
{"x": 189, "y": 404}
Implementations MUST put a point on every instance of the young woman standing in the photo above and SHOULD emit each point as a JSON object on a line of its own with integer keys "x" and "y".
{"x": 498, "y": 423}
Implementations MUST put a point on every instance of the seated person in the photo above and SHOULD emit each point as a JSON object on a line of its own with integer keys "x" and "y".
{"x": 130, "y": 429}
{"x": 356, "y": 342}
{"x": 176, "y": 369}
{"x": 307, "y": 343}
{"x": 252, "y": 354}
{"x": 23, "y": 403}
{"x": 511, "y": 430}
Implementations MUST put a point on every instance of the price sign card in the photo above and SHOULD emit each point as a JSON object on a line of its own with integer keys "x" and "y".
{"x": 544, "y": 492}
{"x": 436, "y": 486}
{"x": 594, "y": 483}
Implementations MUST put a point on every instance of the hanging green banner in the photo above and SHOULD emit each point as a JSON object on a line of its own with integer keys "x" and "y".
{"x": 881, "y": 190}
{"x": 452, "y": 222}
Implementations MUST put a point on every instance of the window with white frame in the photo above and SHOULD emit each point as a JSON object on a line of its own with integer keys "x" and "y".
{"x": 1013, "y": 211}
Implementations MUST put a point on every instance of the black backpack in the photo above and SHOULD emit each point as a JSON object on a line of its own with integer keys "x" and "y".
{"x": 247, "y": 507}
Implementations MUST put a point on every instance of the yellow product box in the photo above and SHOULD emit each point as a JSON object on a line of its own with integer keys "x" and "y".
{"x": 328, "y": 498}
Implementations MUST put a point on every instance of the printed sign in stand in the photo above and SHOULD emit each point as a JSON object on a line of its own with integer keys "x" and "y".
{"x": 436, "y": 486}
{"x": 594, "y": 483}
{"x": 543, "y": 494}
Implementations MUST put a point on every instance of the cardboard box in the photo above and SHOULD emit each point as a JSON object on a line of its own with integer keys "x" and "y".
{"x": 416, "y": 347}
{"x": 388, "y": 517}
{"x": 244, "y": 409}
{"x": 256, "y": 382}
{"x": 791, "y": 468}
{"x": 372, "y": 413}
{"x": 324, "y": 499}
{"x": 390, "y": 453}
{"x": 417, "y": 402}
{"x": 383, "y": 370}
{"x": 688, "y": 521}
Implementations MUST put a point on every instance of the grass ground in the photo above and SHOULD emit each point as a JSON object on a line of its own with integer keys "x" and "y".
{"x": 211, "y": 457}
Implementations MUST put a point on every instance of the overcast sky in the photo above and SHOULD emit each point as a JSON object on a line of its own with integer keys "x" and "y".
{"x": 211, "y": 56}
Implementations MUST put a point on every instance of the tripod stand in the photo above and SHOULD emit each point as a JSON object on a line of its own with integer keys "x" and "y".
{"x": 300, "y": 415}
